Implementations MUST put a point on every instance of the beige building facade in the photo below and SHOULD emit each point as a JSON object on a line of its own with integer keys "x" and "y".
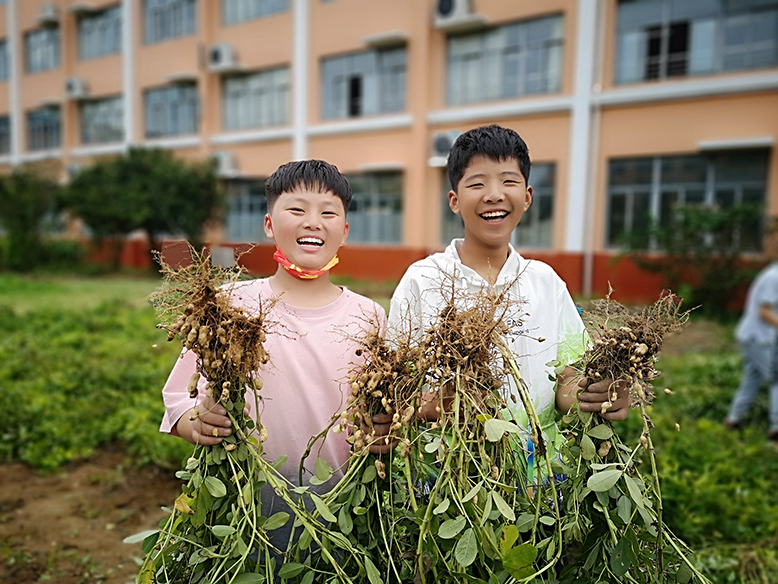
{"x": 629, "y": 107}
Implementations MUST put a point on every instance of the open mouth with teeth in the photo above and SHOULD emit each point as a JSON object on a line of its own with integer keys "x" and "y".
{"x": 310, "y": 242}
{"x": 494, "y": 215}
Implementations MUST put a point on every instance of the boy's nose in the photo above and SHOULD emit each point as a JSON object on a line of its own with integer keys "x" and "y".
{"x": 494, "y": 193}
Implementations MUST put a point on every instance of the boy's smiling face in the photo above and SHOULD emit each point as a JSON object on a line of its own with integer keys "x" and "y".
{"x": 491, "y": 198}
{"x": 307, "y": 226}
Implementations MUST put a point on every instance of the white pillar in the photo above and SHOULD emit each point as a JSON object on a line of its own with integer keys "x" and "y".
{"x": 15, "y": 52}
{"x": 300, "y": 79}
{"x": 128, "y": 71}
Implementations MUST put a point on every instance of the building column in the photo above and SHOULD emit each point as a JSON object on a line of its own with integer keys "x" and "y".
{"x": 128, "y": 71}
{"x": 15, "y": 51}
{"x": 581, "y": 155}
{"x": 300, "y": 53}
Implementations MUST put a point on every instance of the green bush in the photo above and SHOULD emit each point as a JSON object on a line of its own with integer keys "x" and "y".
{"x": 75, "y": 380}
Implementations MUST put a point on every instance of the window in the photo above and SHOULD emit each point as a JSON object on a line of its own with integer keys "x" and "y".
{"x": 644, "y": 191}
{"x": 171, "y": 111}
{"x": 235, "y": 11}
{"x": 375, "y": 215}
{"x": 100, "y": 33}
{"x": 536, "y": 227}
{"x": 3, "y": 60}
{"x": 5, "y": 135}
{"x": 102, "y": 121}
{"x": 510, "y": 61}
{"x": 44, "y": 129}
{"x": 168, "y": 19}
{"x": 256, "y": 100}
{"x": 660, "y": 39}
{"x": 363, "y": 84}
{"x": 246, "y": 210}
{"x": 42, "y": 49}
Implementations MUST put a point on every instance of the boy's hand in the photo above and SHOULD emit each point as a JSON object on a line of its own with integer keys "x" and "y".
{"x": 382, "y": 425}
{"x": 205, "y": 424}
{"x": 608, "y": 399}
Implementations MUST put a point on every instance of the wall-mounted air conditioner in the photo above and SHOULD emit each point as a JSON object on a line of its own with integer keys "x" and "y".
{"x": 457, "y": 15}
{"x": 76, "y": 88}
{"x": 222, "y": 58}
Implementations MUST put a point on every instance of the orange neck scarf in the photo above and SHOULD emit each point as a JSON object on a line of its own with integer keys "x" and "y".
{"x": 301, "y": 273}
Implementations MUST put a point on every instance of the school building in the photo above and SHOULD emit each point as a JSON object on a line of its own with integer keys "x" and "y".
{"x": 628, "y": 107}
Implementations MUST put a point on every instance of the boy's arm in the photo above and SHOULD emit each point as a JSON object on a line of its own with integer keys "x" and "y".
{"x": 593, "y": 397}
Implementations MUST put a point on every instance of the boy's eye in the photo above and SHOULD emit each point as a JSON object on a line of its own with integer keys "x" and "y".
{"x": 296, "y": 210}
{"x": 473, "y": 185}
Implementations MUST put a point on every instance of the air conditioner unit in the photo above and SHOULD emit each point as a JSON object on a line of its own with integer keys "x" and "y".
{"x": 442, "y": 142}
{"x": 457, "y": 15}
{"x": 226, "y": 165}
{"x": 76, "y": 88}
{"x": 49, "y": 15}
{"x": 222, "y": 57}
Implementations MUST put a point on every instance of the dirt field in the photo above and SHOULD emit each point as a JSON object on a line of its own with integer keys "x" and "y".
{"x": 68, "y": 527}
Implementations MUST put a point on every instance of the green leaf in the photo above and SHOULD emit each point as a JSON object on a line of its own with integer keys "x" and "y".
{"x": 308, "y": 578}
{"x": 451, "y": 528}
{"x": 487, "y": 509}
{"x": 619, "y": 562}
{"x": 442, "y": 507}
{"x": 249, "y": 578}
{"x": 139, "y": 537}
{"x": 322, "y": 470}
{"x": 279, "y": 462}
{"x": 290, "y": 570}
{"x": 370, "y": 474}
{"x": 684, "y": 574}
{"x": 215, "y": 487}
{"x": 601, "y": 432}
{"x": 525, "y": 522}
{"x": 634, "y": 491}
{"x": 432, "y": 447}
{"x": 503, "y": 507}
{"x": 472, "y": 493}
{"x": 276, "y": 520}
{"x": 602, "y": 481}
{"x": 222, "y": 531}
{"x": 345, "y": 522}
{"x": 495, "y": 429}
{"x": 588, "y": 450}
{"x": 372, "y": 572}
{"x": 624, "y": 508}
{"x": 467, "y": 548}
{"x": 510, "y": 534}
{"x": 323, "y": 510}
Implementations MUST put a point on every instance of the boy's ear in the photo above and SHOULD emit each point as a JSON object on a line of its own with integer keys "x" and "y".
{"x": 528, "y": 199}
{"x": 453, "y": 202}
{"x": 345, "y": 233}
{"x": 268, "y": 226}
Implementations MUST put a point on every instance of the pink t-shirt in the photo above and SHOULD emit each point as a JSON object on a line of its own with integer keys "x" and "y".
{"x": 304, "y": 384}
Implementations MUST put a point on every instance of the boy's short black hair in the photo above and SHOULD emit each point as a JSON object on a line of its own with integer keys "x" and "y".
{"x": 316, "y": 175}
{"x": 494, "y": 142}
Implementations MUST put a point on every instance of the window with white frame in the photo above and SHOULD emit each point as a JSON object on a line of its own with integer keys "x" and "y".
{"x": 100, "y": 33}
{"x": 256, "y": 100}
{"x": 102, "y": 120}
{"x": 659, "y": 39}
{"x": 246, "y": 210}
{"x": 644, "y": 192}
{"x": 363, "y": 84}
{"x": 4, "y": 60}
{"x": 517, "y": 59}
{"x": 5, "y": 134}
{"x": 44, "y": 129}
{"x": 168, "y": 19}
{"x": 235, "y": 11}
{"x": 376, "y": 211}
{"x": 42, "y": 49}
{"x": 535, "y": 230}
{"x": 171, "y": 110}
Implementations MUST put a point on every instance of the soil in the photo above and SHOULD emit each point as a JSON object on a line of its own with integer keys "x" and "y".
{"x": 68, "y": 527}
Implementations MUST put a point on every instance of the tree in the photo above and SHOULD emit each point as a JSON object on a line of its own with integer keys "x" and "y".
{"x": 26, "y": 199}
{"x": 147, "y": 189}
{"x": 702, "y": 249}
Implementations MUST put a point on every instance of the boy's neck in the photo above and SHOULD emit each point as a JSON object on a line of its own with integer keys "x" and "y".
{"x": 486, "y": 261}
{"x": 313, "y": 293}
